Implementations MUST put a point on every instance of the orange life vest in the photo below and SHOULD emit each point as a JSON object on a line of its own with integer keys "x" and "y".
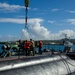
{"x": 27, "y": 45}
{"x": 40, "y": 44}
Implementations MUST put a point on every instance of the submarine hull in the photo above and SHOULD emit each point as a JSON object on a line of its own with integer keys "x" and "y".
{"x": 39, "y": 65}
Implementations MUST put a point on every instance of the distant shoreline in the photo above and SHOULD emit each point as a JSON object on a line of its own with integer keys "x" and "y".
{"x": 46, "y": 42}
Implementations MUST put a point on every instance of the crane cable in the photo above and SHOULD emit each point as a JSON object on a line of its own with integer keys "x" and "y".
{"x": 26, "y": 18}
{"x": 26, "y": 22}
{"x": 26, "y": 2}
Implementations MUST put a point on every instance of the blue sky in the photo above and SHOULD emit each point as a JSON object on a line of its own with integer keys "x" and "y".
{"x": 47, "y": 19}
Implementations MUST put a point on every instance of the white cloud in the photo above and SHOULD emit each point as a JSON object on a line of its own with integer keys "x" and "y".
{"x": 13, "y": 20}
{"x": 50, "y": 21}
{"x": 69, "y": 33}
{"x": 54, "y": 10}
{"x": 70, "y": 11}
{"x": 72, "y": 21}
{"x": 8, "y": 7}
{"x": 9, "y": 38}
{"x": 44, "y": 35}
{"x": 25, "y": 34}
{"x": 37, "y": 31}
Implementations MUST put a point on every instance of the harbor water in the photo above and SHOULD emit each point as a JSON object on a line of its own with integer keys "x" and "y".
{"x": 49, "y": 47}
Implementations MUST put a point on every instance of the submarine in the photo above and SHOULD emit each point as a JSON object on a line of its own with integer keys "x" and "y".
{"x": 46, "y": 64}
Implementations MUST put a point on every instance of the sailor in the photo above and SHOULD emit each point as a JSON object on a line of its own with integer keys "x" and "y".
{"x": 40, "y": 47}
{"x": 7, "y": 51}
{"x": 32, "y": 46}
{"x": 4, "y": 47}
{"x": 27, "y": 47}
{"x": 68, "y": 46}
{"x": 20, "y": 46}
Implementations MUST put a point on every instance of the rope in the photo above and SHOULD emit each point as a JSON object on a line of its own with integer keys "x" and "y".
{"x": 66, "y": 64}
{"x": 69, "y": 62}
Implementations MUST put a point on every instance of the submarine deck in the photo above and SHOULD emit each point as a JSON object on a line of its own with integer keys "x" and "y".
{"x": 70, "y": 55}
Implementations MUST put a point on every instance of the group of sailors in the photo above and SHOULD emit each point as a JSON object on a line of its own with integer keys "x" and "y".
{"x": 29, "y": 46}
{"x": 26, "y": 47}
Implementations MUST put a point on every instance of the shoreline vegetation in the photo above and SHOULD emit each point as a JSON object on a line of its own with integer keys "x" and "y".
{"x": 48, "y": 42}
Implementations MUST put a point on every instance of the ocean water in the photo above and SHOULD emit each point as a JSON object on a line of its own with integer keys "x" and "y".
{"x": 49, "y": 47}
{"x": 0, "y": 48}
{"x": 56, "y": 47}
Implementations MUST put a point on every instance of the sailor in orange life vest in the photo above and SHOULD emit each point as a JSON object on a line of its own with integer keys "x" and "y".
{"x": 40, "y": 47}
{"x": 27, "y": 47}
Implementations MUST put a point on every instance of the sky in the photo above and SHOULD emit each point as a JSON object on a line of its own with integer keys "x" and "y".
{"x": 47, "y": 20}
